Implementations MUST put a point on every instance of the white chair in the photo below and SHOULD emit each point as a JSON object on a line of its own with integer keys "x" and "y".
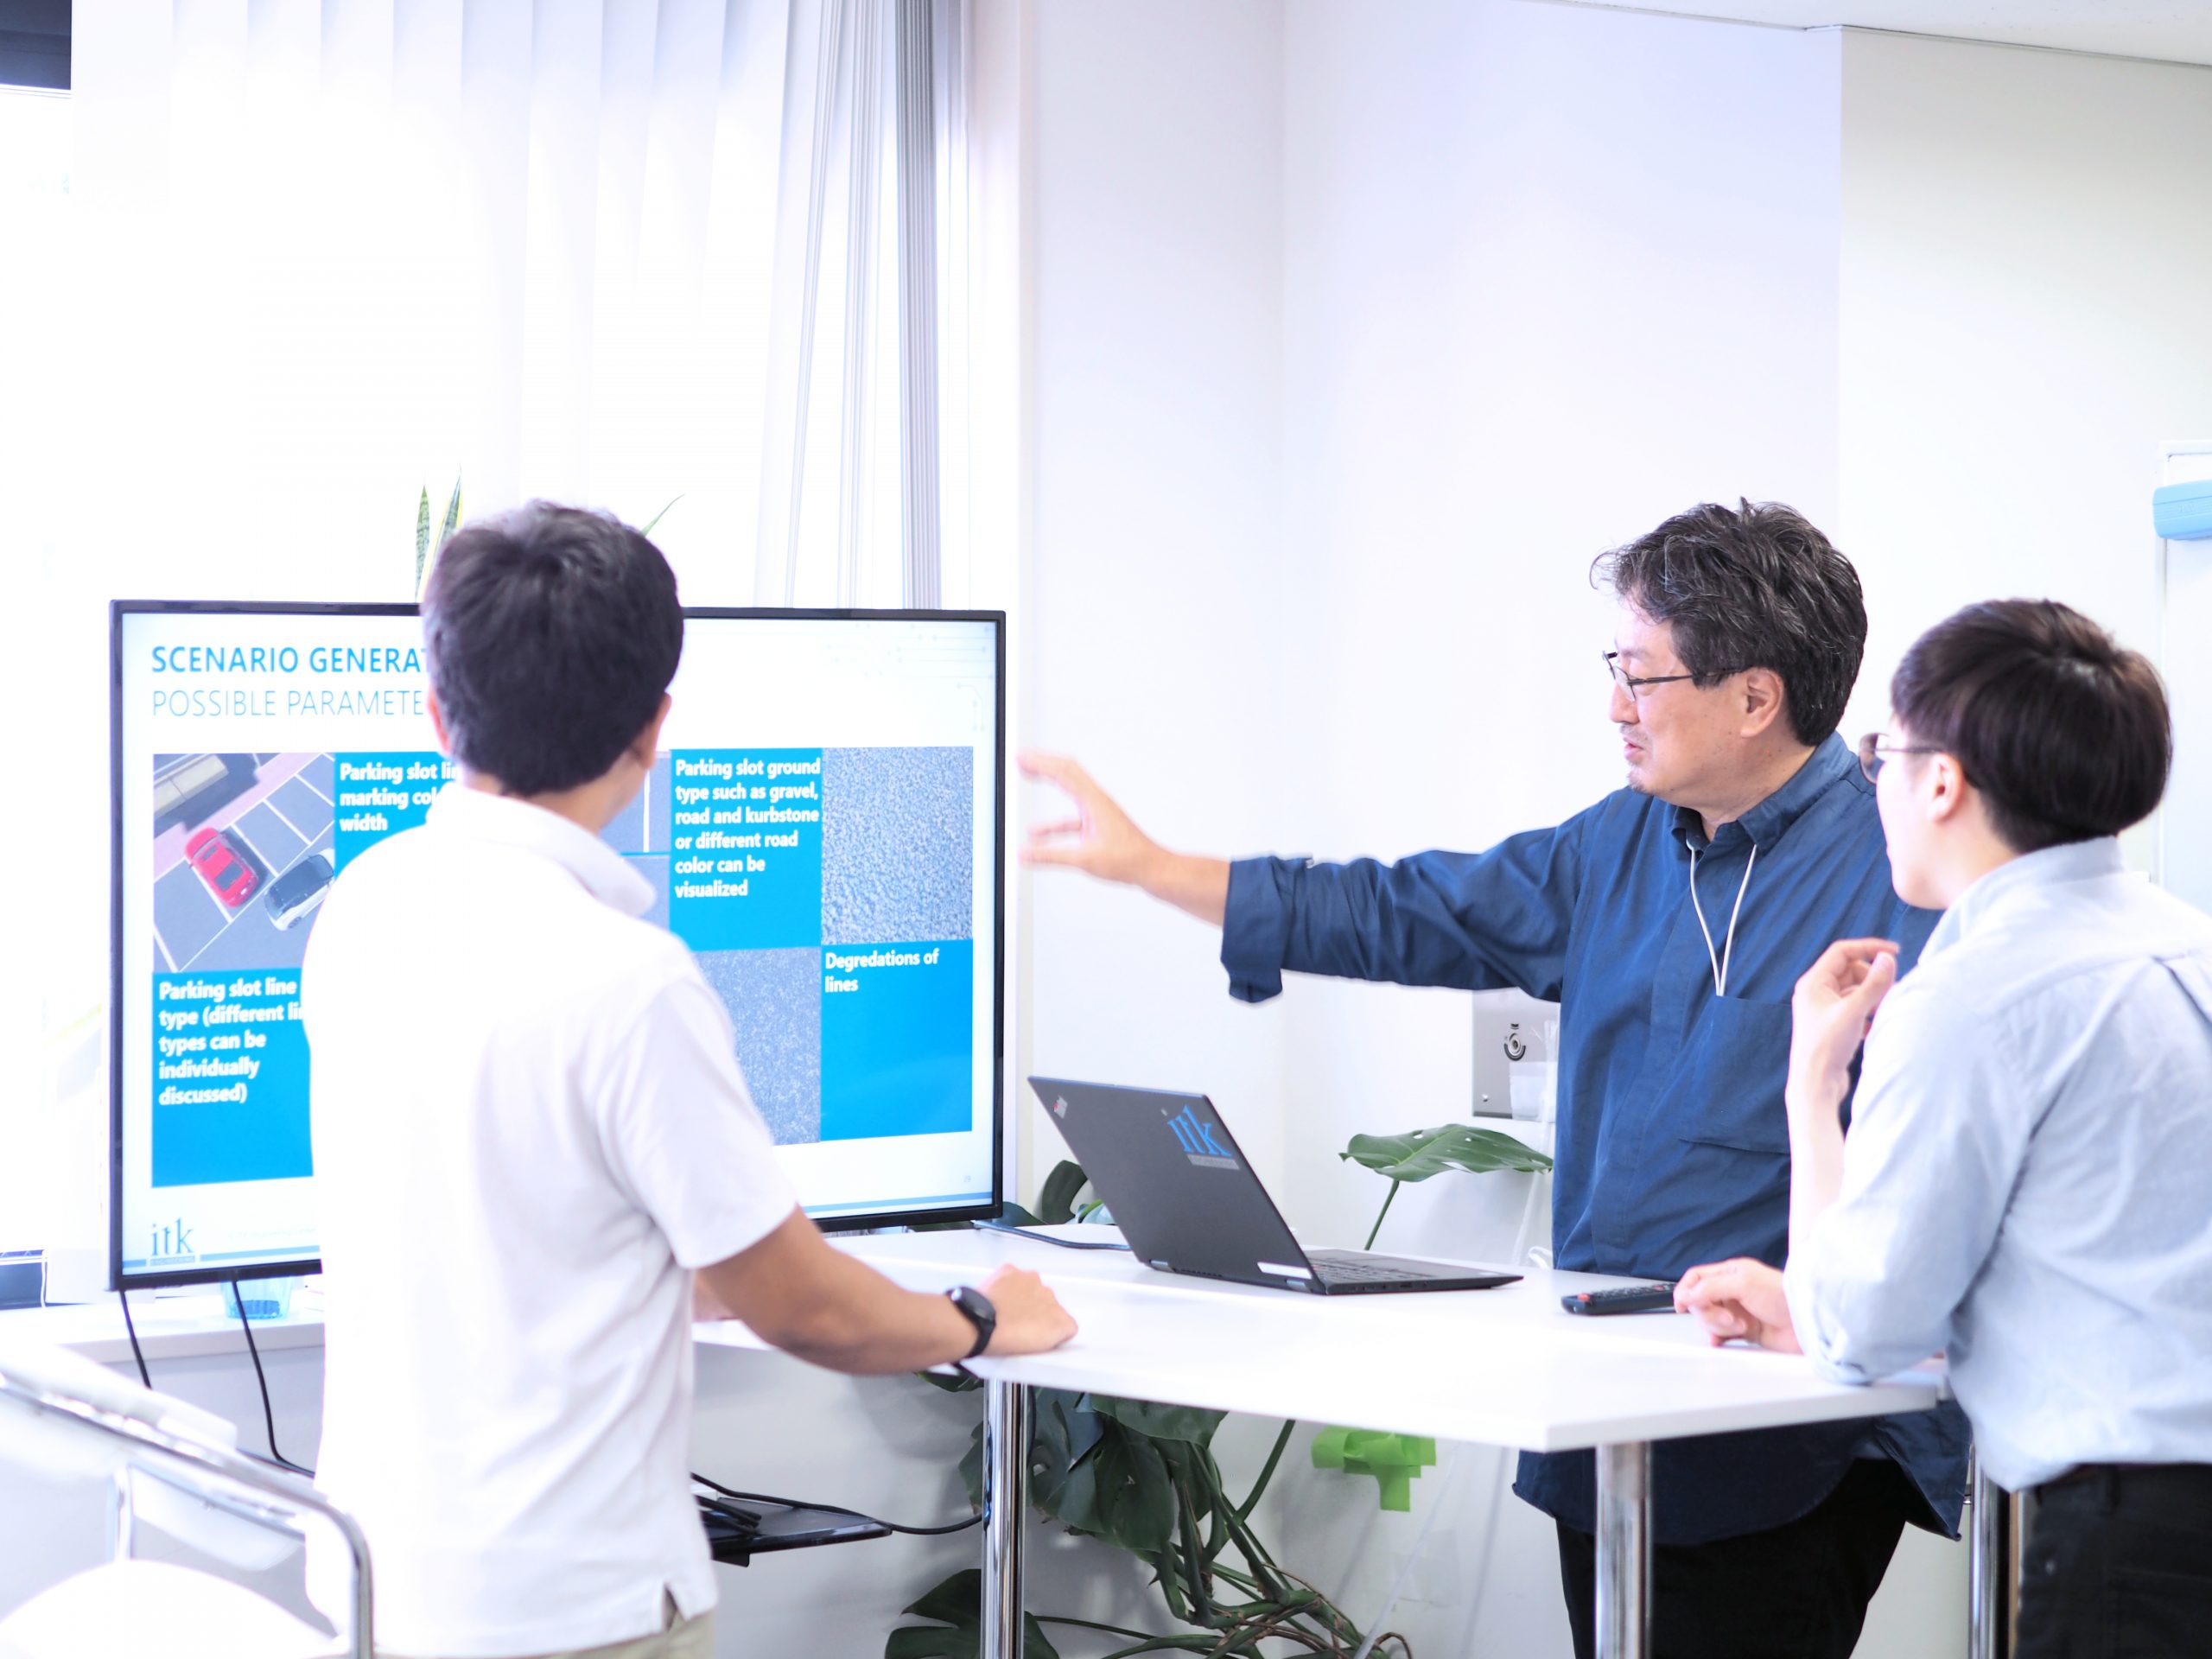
{"x": 176, "y": 1468}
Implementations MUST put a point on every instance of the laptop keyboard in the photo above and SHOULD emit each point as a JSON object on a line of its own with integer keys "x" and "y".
{"x": 1341, "y": 1268}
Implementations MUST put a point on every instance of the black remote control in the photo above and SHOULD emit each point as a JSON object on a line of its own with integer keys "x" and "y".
{"x": 1633, "y": 1299}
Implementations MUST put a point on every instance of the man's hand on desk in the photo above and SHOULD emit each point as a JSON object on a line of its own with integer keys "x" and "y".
{"x": 1101, "y": 840}
{"x": 1740, "y": 1299}
{"x": 1031, "y": 1319}
{"x": 801, "y": 1293}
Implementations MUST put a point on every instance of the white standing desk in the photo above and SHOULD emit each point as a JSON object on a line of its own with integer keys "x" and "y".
{"x": 1504, "y": 1367}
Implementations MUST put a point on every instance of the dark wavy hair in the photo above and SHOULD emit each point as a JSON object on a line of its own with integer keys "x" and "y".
{"x": 1755, "y": 586}
{"x": 551, "y": 634}
{"x": 2065, "y": 733}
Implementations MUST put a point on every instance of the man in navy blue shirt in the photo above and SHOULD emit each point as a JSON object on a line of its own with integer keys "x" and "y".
{"x": 1670, "y": 921}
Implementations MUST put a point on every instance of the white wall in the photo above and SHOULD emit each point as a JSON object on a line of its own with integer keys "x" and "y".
{"x": 1154, "y": 646}
{"x": 1553, "y": 274}
{"x": 2027, "y": 253}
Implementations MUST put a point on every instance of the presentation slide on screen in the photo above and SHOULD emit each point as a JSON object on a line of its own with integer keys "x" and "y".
{"x": 819, "y": 828}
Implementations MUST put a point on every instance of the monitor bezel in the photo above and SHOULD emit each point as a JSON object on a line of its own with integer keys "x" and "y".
{"x": 856, "y": 1221}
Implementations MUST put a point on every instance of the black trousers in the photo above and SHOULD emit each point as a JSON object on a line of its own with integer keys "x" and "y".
{"x": 1799, "y": 1592}
{"x": 2120, "y": 1565}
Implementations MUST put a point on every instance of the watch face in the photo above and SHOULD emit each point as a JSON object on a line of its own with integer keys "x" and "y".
{"x": 977, "y": 1307}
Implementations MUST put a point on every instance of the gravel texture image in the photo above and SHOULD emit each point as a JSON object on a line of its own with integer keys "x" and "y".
{"x": 898, "y": 844}
{"x": 774, "y": 999}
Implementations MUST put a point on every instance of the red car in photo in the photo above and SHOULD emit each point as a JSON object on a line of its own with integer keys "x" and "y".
{"x": 222, "y": 868}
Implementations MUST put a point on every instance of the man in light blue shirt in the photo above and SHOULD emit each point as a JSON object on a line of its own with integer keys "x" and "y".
{"x": 2028, "y": 1181}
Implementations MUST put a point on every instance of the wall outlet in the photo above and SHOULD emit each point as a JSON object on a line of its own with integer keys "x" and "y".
{"x": 1511, "y": 1029}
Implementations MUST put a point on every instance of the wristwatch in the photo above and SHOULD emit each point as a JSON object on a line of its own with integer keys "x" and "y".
{"x": 981, "y": 1314}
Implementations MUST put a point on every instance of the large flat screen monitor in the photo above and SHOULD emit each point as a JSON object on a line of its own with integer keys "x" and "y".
{"x": 823, "y": 828}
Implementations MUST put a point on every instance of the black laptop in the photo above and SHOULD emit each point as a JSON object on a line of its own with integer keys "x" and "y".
{"x": 1187, "y": 1201}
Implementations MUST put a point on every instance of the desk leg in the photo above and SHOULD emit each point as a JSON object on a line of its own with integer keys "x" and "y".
{"x": 1006, "y": 1407}
{"x": 1624, "y": 1563}
{"x": 1987, "y": 1552}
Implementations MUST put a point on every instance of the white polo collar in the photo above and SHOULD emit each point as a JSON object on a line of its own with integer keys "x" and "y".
{"x": 604, "y": 873}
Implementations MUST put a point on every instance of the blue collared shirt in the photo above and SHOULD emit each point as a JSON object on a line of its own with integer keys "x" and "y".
{"x": 2028, "y": 1184}
{"x": 1673, "y": 1143}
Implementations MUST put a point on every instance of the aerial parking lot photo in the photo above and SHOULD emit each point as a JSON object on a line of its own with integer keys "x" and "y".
{"x": 242, "y": 858}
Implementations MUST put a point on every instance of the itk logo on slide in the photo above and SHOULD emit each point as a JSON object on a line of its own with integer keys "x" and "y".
{"x": 1197, "y": 1140}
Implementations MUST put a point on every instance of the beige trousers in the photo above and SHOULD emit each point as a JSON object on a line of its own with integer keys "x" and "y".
{"x": 687, "y": 1638}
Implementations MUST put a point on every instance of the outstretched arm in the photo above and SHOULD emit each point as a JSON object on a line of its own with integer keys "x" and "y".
{"x": 1100, "y": 839}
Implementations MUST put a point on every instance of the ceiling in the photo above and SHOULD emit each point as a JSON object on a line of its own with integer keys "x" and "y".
{"x": 2178, "y": 30}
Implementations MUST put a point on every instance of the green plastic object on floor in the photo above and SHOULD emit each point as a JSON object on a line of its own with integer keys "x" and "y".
{"x": 1393, "y": 1459}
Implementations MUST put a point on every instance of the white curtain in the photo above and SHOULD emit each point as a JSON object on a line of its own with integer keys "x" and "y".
{"x": 616, "y": 252}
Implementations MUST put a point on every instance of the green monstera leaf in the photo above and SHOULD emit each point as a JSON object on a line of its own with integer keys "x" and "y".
{"x": 1158, "y": 1421}
{"x": 1131, "y": 1501}
{"x": 957, "y": 1607}
{"x": 1094, "y": 1468}
{"x": 1419, "y": 1154}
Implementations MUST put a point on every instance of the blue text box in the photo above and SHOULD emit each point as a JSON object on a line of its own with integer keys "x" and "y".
{"x": 744, "y": 859}
{"x": 379, "y": 794}
{"x": 898, "y": 1036}
{"x": 230, "y": 1079}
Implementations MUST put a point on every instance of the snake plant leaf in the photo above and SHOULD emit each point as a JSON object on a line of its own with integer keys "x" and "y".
{"x": 1419, "y": 1154}
{"x": 957, "y": 1605}
{"x": 421, "y": 538}
{"x": 648, "y": 530}
{"x": 453, "y": 518}
{"x": 1056, "y": 1202}
{"x": 1157, "y": 1421}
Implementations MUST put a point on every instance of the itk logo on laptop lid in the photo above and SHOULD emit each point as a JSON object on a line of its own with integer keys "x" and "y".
{"x": 1197, "y": 1139}
{"x": 1059, "y": 1106}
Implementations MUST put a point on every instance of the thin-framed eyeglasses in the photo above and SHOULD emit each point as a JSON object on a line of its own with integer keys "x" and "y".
{"x": 1632, "y": 683}
{"x": 1875, "y": 745}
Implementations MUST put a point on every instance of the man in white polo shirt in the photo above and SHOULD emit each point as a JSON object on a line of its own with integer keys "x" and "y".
{"x": 530, "y": 1134}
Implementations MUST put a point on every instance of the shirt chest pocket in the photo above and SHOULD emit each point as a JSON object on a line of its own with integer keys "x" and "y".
{"x": 1728, "y": 1085}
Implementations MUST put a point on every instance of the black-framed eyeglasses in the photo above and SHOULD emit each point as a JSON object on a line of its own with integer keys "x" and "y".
{"x": 1875, "y": 745}
{"x": 1632, "y": 683}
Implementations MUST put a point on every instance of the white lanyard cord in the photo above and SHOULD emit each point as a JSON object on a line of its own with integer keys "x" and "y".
{"x": 1728, "y": 944}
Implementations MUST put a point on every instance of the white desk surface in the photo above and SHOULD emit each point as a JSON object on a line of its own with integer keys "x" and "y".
{"x": 1503, "y": 1367}
{"x": 187, "y": 1324}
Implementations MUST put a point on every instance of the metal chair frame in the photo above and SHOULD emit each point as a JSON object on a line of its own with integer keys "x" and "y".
{"x": 225, "y": 1479}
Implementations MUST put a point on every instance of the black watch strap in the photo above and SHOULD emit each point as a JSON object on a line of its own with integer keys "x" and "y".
{"x": 981, "y": 1314}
